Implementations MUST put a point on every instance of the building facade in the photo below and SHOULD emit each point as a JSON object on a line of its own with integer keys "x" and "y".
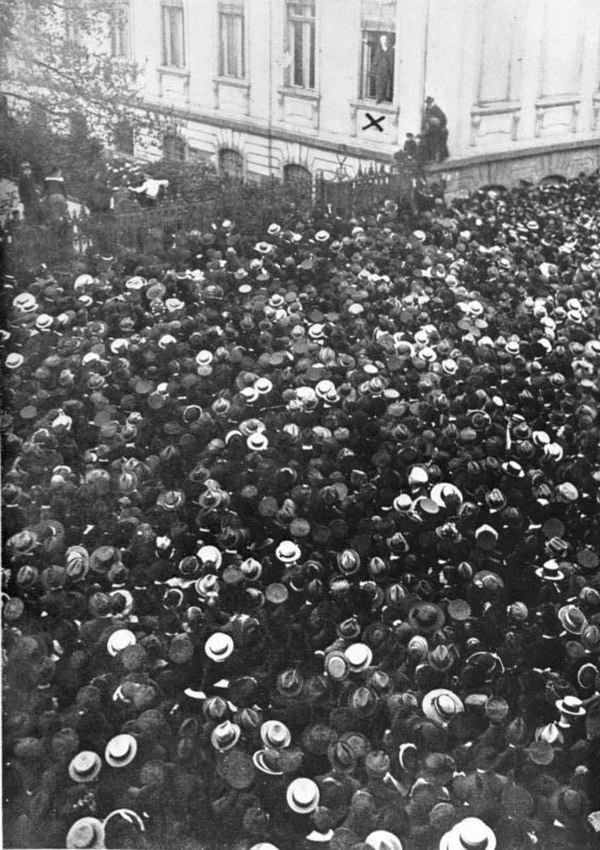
{"x": 300, "y": 87}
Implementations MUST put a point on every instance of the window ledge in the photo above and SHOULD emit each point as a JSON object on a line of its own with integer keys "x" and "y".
{"x": 303, "y": 94}
{"x": 236, "y": 82}
{"x": 175, "y": 72}
{"x": 557, "y": 100}
{"x": 498, "y": 108}
{"x": 383, "y": 108}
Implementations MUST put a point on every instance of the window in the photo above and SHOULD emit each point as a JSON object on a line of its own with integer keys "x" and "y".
{"x": 120, "y": 31}
{"x": 173, "y": 48}
{"x": 300, "y": 44}
{"x": 378, "y": 26}
{"x": 174, "y": 146}
{"x": 123, "y": 137}
{"x": 377, "y": 66}
{"x": 298, "y": 179}
{"x": 231, "y": 40}
{"x": 499, "y": 56}
{"x": 231, "y": 164}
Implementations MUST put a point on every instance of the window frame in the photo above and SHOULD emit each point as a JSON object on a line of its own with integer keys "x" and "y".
{"x": 366, "y": 79}
{"x": 120, "y": 30}
{"x": 298, "y": 179}
{"x": 307, "y": 19}
{"x": 230, "y": 11}
{"x": 240, "y": 164}
{"x": 166, "y": 45}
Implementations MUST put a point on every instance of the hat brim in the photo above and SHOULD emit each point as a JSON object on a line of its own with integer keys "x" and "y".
{"x": 99, "y": 834}
{"x": 88, "y": 777}
{"x": 259, "y": 763}
{"x": 452, "y": 841}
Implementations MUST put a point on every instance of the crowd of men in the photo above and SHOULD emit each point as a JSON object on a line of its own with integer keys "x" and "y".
{"x": 301, "y": 536}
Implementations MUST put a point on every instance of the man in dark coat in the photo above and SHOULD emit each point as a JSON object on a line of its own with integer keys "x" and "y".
{"x": 383, "y": 67}
{"x": 435, "y": 132}
{"x": 28, "y": 193}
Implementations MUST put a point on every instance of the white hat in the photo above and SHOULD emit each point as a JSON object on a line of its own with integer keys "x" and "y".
{"x": 264, "y": 845}
{"x": 469, "y": 834}
{"x": 263, "y": 386}
{"x": 359, "y": 656}
{"x": 303, "y": 795}
{"x": 219, "y": 646}
{"x": 120, "y": 640}
{"x": 275, "y": 734}
{"x": 85, "y": 766}
{"x": 209, "y": 554}
{"x": 121, "y": 750}
{"x": 440, "y": 705}
{"x": 382, "y": 839}
{"x": 25, "y": 302}
{"x": 257, "y": 442}
{"x": 444, "y": 490}
{"x": 204, "y": 358}
{"x": 288, "y": 552}
{"x": 85, "y": 833}
{"x": 82, "y": 281}
{"x": 225, "y": 736}
{"x": 14, "y": 360}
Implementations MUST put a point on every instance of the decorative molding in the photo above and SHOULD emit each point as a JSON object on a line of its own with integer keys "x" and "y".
{"x": 496, "y": 108}
{"x": 313, "y": 97}
{"x": 552, "y": 102}
{"x": 232, "y": 82}
{"x": 504, "y": 107}
{"x": 181, "y": 73}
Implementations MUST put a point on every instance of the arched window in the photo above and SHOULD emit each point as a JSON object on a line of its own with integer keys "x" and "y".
{"x": 298, "y": 178}
{"x": 231, "y": 164}
{"x": 174, "y": 146}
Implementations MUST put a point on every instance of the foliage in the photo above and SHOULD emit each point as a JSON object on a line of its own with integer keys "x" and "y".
{"x": 55, "y": 56}
{"x": 78, "y": 153}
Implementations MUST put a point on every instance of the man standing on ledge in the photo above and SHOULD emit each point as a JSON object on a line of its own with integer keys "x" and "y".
{"x": 383, "y": 66}
{"x": 434, "y": 132}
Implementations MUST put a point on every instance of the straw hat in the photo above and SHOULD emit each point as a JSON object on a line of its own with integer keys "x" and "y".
{"x": 359, "y": 656}
{"x": 120, "y": 640}
{"x": 121, "y": 750}
{"x": 225, "y": 736}
{"x": 572, "y": 619}
{"x": 382, "y": 839}
{"x": 85, "y": 766}
{"x": 469, "y": 834}
{"x": 219, "y": 646}
{"x": 570, "y": 706}
{"x": 302, "y": 796}
{"x": 85, "y": 834}
{"x": 288, "y": 552}
{"x": 441, "y": 705}
{"x": 275, "y": 735}
{"x": 268, "y": 761}
{"x": 550, "y": 571}
{"x": 337, "y": 665}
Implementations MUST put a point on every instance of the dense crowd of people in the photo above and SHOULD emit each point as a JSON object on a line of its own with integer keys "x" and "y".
{"x": 301, "y": 536}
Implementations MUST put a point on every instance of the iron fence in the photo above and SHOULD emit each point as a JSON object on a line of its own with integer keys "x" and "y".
{"x": 251, "y": 206}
